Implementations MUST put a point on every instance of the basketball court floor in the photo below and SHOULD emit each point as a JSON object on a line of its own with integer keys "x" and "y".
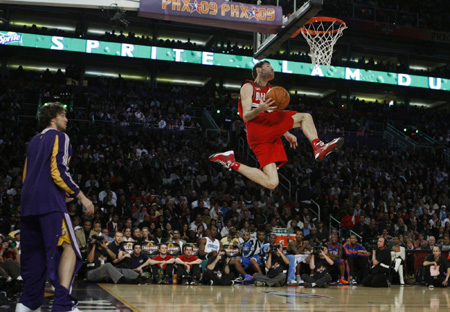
{"x": 178, "y": 298}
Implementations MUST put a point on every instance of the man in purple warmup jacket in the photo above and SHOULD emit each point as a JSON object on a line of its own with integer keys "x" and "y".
{"x": 48, "y": 243}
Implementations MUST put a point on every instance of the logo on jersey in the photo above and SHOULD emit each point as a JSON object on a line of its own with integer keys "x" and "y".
{"x": 63, "y": 231}
{"x": 260, "y": 96}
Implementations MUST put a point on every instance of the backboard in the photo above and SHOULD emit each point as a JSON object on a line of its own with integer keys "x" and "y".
{"x": 266, "y": 44}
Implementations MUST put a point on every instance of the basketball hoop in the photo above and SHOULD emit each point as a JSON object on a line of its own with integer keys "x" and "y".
{"x": 321, "y": 33}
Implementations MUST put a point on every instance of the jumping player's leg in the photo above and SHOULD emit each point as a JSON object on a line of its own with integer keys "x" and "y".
{"x": 267, "y": 177}
{"x": 306, "y": 122}
{"x": 321, "y": 150}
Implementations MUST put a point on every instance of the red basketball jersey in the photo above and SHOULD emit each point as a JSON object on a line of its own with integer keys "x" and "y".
{"x": 259, "y": 93}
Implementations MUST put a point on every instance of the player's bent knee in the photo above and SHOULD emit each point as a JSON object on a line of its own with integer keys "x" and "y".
{"x": 272, "y": 184}
{"x": 301, "y": 116}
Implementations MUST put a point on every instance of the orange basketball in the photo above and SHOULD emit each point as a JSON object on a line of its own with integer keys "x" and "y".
{"x": 280, "y": 96}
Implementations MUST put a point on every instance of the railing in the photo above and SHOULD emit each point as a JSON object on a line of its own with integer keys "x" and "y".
{"x": 397, "y": 138}
{"x": 333, "y": 219}
{"x": 357, "y": 235}
{"x": 309, "y": 202}
{"x": 446, "y": 156}
{"x": 208, "y": 121}
{"x": 220, "y": 131}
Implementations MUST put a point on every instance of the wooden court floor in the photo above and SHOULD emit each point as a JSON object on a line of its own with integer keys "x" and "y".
{"x": 178, "y": 298}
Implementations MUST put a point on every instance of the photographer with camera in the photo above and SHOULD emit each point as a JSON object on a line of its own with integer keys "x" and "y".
{"x": 319, "y": 264}
{"x": 218, "y": 270}
{"x": 276, "y": 263}
{"x": 10, "y": 250}
{"x": 10, "y": 278}
{"x": 381, "y": 260}
{"x": 100, "y": 268}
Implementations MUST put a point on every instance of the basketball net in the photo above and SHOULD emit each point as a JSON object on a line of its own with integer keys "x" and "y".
{"x": 322, "y": 33}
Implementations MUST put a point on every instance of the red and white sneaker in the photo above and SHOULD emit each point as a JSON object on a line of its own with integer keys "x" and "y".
{"x": 322, "y": 150}
{"x": 226, "y": 159}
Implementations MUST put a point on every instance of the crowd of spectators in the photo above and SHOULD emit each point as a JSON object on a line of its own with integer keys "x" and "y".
{"x": 159, "y": 181}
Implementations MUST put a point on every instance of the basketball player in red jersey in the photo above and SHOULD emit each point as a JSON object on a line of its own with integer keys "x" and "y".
{"x": 265, "y": 127}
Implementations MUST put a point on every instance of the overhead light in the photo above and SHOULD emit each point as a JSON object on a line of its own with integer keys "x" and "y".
{"x": 188, "y": 82}
{"x": 311, "y": 93}
{"x": 97, "y": 31}
{"x": 28, "y": 24}
{"x": 418, "y": 67}
{"x": 114, "y": 75}
{"x": 36, "y": 68}
{"x": 230, "y": 86}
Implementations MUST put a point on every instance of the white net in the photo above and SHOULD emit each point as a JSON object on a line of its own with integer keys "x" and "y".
{"x": 321, "y": 35}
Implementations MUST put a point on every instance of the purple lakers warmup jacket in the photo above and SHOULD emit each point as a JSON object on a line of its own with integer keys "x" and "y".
{"x": 46, "y": 176}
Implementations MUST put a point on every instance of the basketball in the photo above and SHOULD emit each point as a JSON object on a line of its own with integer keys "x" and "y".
{"x": 280, "y": 96}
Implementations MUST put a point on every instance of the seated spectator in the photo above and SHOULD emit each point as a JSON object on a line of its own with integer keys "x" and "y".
{"x": 116, "y": 246}
{"x": 379, "y": 273}
{"x": 356, "y": 259}
{"x": 127, "y": 235}
{"x": 436, "y": 269}
{"x": 349, "y": 221}
{"x": 322, "y": 232}
{"x": 421, "y": 242}
{"x": 276, "y": 263}
{"x": 100, "y": 268}
{"x": 319, "y": 265}
{"x": 114, "y": 225}
{"x": 218, "y": 270}
{"x": 431, "y": 242}
{"x": 244, "y": 263}
{"x": 161, "y": 266}
{"x": 313, "y": 237}
{"x": 398, "y": 257}
{"x": 446, "y": 243}
{"x": 252, "y": 252}
{"x": 136, "y": 234}
{"x": 196, "y": 223}
{"x": 336, "y": 254}
{"x": 188, "y": 267}
{"x": 176, "y": 239}
{"x": 105, "y": 234}
{"x": 138, "y": 260}
{"x": 209, "y": 245}
{"x": 299, "y": 246}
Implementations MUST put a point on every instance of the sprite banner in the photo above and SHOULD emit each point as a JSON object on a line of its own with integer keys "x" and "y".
{"x": 217, "y": 59}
